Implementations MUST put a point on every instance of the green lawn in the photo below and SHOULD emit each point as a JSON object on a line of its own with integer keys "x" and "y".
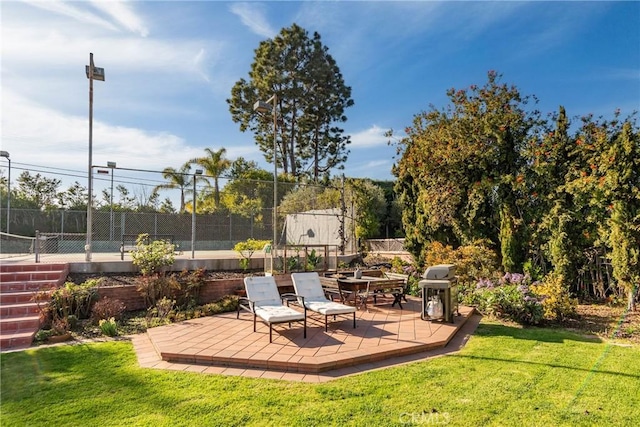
{"x": 503, "y": 376}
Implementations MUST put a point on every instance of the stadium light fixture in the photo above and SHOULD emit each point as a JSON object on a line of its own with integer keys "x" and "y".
{"x": 263, "y": 107}
{"x": 93, "y": 73}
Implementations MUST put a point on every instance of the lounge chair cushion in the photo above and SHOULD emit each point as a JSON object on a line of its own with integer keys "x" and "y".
{"x": 277, "y": 313}
{"x": 263, "y": 292}
{"x": 309, "y": 286}
{"x": 328, "y": 307}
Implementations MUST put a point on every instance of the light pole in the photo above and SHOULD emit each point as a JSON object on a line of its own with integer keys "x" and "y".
{"x": 5, "y": 154}
{"x": 264, "y": 108}
{"x": 193, "y": 215}
{"x": 93, "y": 73}
{"x": 112, "y": 166}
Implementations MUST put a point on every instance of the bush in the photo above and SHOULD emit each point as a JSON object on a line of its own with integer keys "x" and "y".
{"x": 109, "y": 327}
{"x": 313, "y": 260}
{"x": 189, "y": 284}
{"x": 156, "y": 287}
{"x": 510, "y": 298}
{"x": 152, "y": 257}
{"x": 107, "y": 308}
{"x": 247, "y": 248}
{"x": 472, "y": 262}
{"x": 514, "y": 297}
{"x": 556, "y": 300}
{"x": 76, "y": 300}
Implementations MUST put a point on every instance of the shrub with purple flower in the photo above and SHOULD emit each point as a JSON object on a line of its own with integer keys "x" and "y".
{"x": 485, "y": 283}
{"x": 512, "y": 298}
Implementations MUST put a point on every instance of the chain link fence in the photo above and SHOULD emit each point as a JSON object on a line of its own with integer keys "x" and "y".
{"x": 63, "y": 232}
{"x": 307, "y": 214}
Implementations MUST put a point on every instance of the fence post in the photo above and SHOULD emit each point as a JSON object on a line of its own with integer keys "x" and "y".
{"x": 61, "y": 225}
{"x": 36, "y": 246}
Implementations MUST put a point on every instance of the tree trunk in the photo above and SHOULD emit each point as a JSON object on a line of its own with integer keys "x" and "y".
{"x": 631, "y": 298}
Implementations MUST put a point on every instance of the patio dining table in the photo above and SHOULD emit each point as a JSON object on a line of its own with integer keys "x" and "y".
{"x": 358, "y": 290}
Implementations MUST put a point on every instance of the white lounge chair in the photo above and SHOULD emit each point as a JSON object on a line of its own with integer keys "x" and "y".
{"x": 264, "y": 301}
{"x": 308, "y": 286}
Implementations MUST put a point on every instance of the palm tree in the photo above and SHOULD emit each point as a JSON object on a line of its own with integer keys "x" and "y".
{"x": 177, "y": 179}
{"x": 214, "y": 165}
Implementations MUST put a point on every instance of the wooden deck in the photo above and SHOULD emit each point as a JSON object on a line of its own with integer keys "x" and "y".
{"x": 384, "y": 336}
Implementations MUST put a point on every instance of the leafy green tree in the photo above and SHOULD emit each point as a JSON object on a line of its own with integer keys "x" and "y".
{"x": 311, "y": 98}
{"x": 37, "y": 191}
{"x": 371, "y": 206}
{"x": 391, "y": 221}
{"x": 146, "y": 199}
{"x": 215, "y": 165}
{"x": 619, "y": 168}
{"x": 125, "y": 201}
{"x": 309, "y": 197}
{"x": 167, "y": 206}
{"x": 248, "y": 191}
{"x": 75, "y": 198}
{"x": 178, "y": 179}
{"x": 555, "y": 215}
{"x": 459, "y": 170}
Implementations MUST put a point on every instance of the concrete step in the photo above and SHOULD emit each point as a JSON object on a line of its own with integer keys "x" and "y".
{"x": 17, "y": 323}
{"x": 17, "y": 340}
{"x": 25, "y": 276}
{"x": 16, "y": 297}
{"x": 9, "y": 311}
{"x": 28, "y": 286}
{"x": 6, "y": 268}
{"x": 19, "y": 314}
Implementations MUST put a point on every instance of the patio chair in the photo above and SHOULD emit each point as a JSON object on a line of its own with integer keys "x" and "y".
{"x": 312, "y": 297}
{"x": 264, "y": 301}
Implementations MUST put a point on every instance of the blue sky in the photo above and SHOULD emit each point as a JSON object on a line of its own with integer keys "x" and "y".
{"x": 170, "y": 67}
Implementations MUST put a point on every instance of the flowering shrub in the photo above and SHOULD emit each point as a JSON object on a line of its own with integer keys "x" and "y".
{"x": 511, "y": 297}
{"x": 515, "y": 297}
{"x": 556, "y": 301}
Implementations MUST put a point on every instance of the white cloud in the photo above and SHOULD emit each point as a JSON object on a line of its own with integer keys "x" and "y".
{"x": 372, "y": 137}
{"x": 70, "y": 10}
{"x": 253, "y": 16}
{"x": 58, "y": 49}
{"x": 36, "y": 134}
{"x": 118, "y": 14}
{"x": 124, "y": 15}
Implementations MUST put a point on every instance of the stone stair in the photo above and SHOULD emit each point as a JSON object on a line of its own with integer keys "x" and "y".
{"x": 19, "y": 315}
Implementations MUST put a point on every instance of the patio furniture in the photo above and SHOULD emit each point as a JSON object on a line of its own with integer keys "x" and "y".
{"x": 264, "y": 301}
{"x": 359, "y": 290}
{"x": 309, "y": 287}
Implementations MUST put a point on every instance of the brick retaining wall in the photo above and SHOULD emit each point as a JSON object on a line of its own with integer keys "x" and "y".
{"x": 212, "y": 290}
